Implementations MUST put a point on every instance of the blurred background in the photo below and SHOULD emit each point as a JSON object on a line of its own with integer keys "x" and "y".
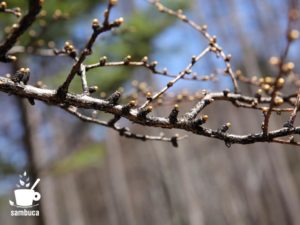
{"x": 91, "y": 175}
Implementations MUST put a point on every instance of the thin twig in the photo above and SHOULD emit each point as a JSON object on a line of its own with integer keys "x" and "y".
{"x": 177, "y": 78}
{"x": 106, "y": 26}
{"x": 123, "y": 131}
{"x": 281, "y": 72}
{"x": 294, "y": 112}
{"x": 194, "y": 77}
{"x": 202, "y": 30}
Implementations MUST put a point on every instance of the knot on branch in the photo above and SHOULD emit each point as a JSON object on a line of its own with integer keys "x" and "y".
{"x": 224, "y": 128}
{"x": 114, "y": 98}
{"x": 174, "y": 141}
{"x": 126, "y": 108}
{"x": 61, "y": 93}
{"x": 142, "y": 114}
{"x": 113, "y": 121}
{"x": 173, "y": 114}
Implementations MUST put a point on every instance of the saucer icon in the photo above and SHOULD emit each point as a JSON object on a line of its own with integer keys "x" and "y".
{"x": 25, "y": 196}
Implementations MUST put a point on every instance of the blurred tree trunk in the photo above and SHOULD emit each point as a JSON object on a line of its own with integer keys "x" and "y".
{"x": 34, "y": 148}
{"x": 202, "y": 182}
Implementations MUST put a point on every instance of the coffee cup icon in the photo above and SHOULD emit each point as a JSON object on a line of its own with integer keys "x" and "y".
{"x": 25, "y": 197}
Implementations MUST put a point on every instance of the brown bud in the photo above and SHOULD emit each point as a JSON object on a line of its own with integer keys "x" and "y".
{"x": 113, "y": 2}
{"x": 268, "y": 80}
{"x": 149, "y": 95}
{"x": 12, "y": 58}
{"x": 119, "y": 21}
{"x": 287, "y": 67}
{"x": 95, "y": 24}
{"x": 205, "y": 118}
{"x": 3, "y": 5}
{"x": 93, "y": 89}
{"x": 259, "y": 91}
{"x": 213, "y": 40}
{"x": 149, "y": 108}
{"x": 170, "y": 84}
{"x": 145, "y": 59}
{"x": 280, "y": 82}
{"x": 264, "y": 109}
{"x": 165, "y": 71}
{"x": 274, "y": 60}
{"x": 15, "y": 26}
{"x": 194, "y": 58}
{"x": 132, "y": 103}
{"x": 153, "y": 64}
{"x": 228, "y": 58}
{"x": 278, "y": 100}
{"x": 225, "y": 127}
{"x": 293, "y": 14}
{"x": 293, "y": 35}
{"x": 204, "y": 27}
{"x": 266, "y": 87}
{"x": 127, "y": 59}
{"x": 103, "y": 61}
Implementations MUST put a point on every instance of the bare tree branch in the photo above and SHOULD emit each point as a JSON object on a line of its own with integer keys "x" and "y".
{"x": 267, "y": 99}
{"x": 184, "y": 123}
{"x": 18, "y": 29}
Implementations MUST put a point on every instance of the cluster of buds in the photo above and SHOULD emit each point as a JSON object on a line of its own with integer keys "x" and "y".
{"x": 267, "y": 84}
{"x": 289, "y": 66}
{"x": 214, "y": 46}
{"x": 16, "y": 11}
{"x": 21, "y": 76}
{"x": 70, "y": 50}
